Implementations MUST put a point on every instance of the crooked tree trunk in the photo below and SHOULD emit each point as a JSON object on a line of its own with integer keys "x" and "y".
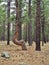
{"x": 20, "y": 42}
{"x": 29, "y": 24}
{"x": 17, "y": 36}
{"x": 38, "y": 14}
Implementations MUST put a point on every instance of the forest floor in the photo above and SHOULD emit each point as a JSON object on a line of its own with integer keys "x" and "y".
{"x": 29, "y": 57}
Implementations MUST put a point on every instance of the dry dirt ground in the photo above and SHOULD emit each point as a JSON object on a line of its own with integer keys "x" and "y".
{"x": 30, "y": 57}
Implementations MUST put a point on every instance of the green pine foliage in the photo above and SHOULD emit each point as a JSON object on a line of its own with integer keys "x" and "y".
{"x": 24, "y": 17}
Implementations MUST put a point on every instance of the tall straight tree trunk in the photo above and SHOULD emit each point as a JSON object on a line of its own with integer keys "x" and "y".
{"x": 43, "y": 32}
{"x": 20, "y": 20}
{"x": 43, "y": 25}
{"x": 29, "y": 24}
{"x": 38, "y": 30}
{"x": 25, "y": 32}
{"x": 8, "y": 17}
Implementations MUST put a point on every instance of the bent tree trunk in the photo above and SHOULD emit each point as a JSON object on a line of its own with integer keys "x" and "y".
{"x": 17, "y": 36}
{"x": 38, "y": 14}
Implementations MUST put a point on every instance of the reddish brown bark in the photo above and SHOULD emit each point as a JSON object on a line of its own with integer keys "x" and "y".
{"x": 17, "y": 36}
{"x": 38, "y": 14}
{"x": 20, "y": 42}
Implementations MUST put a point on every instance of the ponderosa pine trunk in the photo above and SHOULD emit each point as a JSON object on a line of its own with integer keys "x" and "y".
{"x": 18, "y": 21}
{"x": 24, "y": 32}
{"x": 38, "y": 30}
{"x": 8, "y": 19}
{"x": 43, "y": 25}
{"x": 43, "y": 31}
{"x": 29, "y": 24}
{"x": 17, "y": 36}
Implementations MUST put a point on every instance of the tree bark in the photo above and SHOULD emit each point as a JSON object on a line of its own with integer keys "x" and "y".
{"x": 8, "y": 32}
{"x": 29, "y": 24}
{"x": 18, "y": 20}
{"x": 8, "y": 28}
{"x": 17, "y": 36}
{"x": 43, "y": 25}
{"x": 38, "y": 30}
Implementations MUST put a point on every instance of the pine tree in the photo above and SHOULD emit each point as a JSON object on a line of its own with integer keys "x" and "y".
{"x": 38, "y": 30}
{"x": 8, "y": 17}
{"x": 29, "y": 24}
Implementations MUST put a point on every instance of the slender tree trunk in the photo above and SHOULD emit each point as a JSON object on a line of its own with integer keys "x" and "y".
{"x": 43, "y": 32}
{"x": 38, "y": 30}
{"x": 20, "y": 20}
{"x": 43, "y": 25}
{"x": 29, "y": 25}
{"x": 8, "y": 32}
{"x": 8, "y": 28}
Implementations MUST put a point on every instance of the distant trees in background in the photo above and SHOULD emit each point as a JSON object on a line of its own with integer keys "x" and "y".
{"x": 43, "y": 24}
{"x": 30, "y": 21}
{"x": 18, "y": 19}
